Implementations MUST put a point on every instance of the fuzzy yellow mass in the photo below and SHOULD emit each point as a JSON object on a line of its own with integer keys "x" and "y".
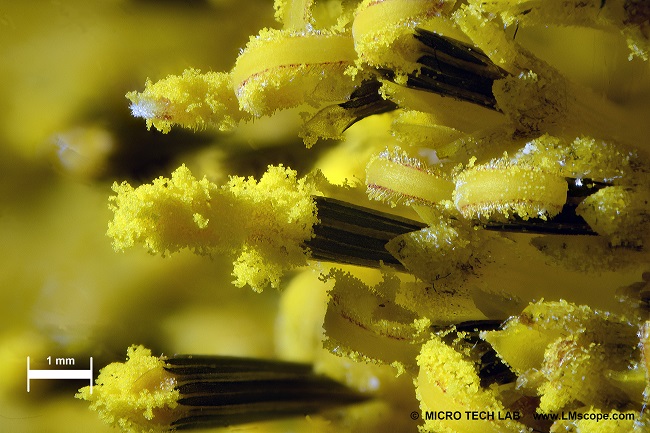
{"x": 138, "y": 395}
{"x": 192, "y": 100}
{"x": 262, "y": 224}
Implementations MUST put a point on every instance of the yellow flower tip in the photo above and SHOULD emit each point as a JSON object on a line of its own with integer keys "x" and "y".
{"x": 192, "y": 100}
{"x": 144, "y": 107}
{"x": 137, "y": 395}
{"x": 262, "y": 224}
{"x": 153, "y": 110}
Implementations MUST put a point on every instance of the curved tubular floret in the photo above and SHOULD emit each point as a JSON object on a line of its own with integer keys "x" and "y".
{"x": 501, "y": 190}
{"x": 283, "y": 69}
{"x": 395, "y": 177}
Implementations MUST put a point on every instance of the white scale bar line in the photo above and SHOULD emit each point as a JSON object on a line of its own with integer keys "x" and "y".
{"x": 61, "y": 374}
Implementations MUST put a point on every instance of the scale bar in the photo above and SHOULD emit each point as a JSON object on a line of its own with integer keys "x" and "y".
{"x": 61, "y": 374}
